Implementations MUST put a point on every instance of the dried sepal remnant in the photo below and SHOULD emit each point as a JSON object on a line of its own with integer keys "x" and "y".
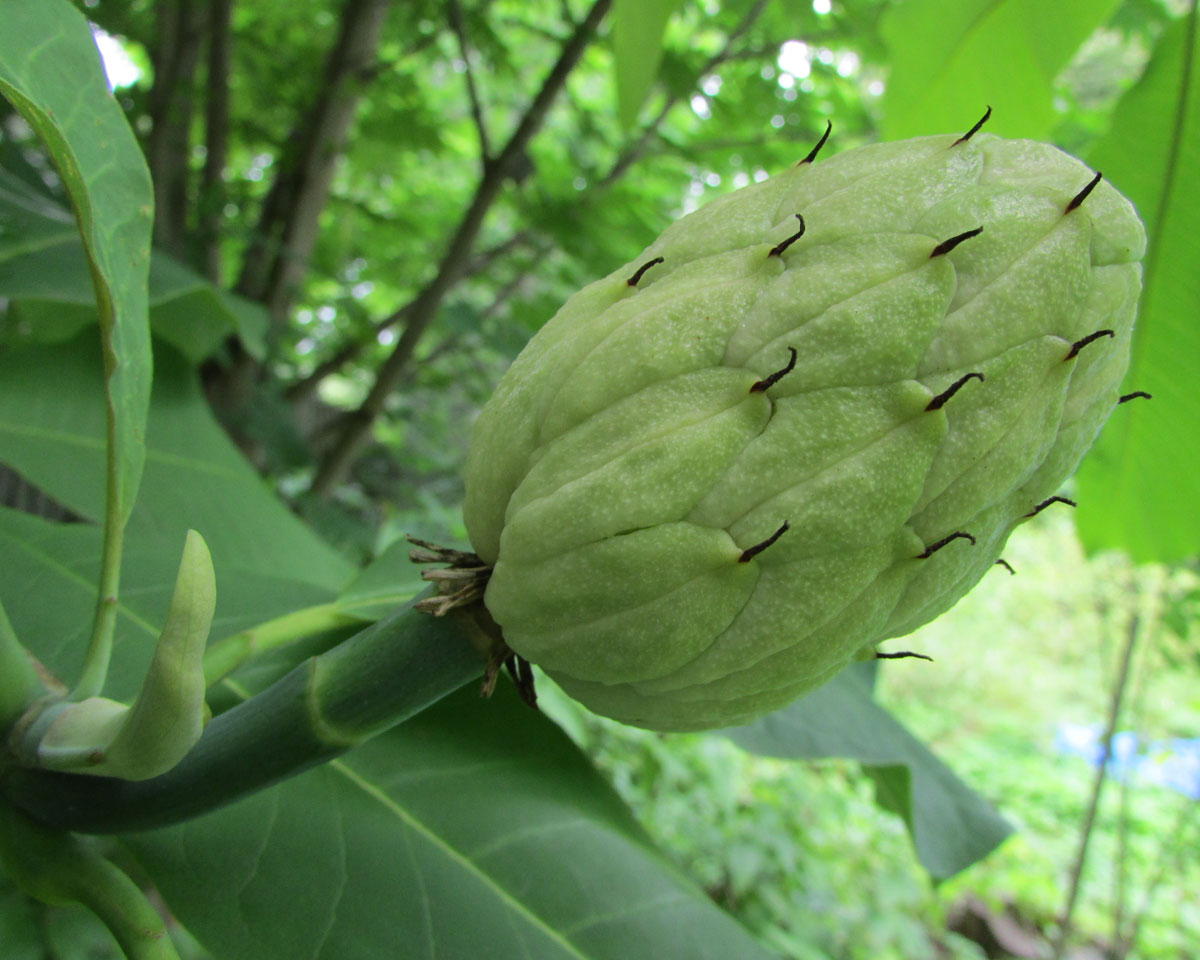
{"x": 1136, "y": 395}
{"x": 1007, "y": 566}
{"x": 459, "y": 584}
{"x": 519, "y": 670}
{"x": 646, "y": 442}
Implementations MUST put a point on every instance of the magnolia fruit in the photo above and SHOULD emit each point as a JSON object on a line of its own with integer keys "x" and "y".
{"x": 803, "y": 421}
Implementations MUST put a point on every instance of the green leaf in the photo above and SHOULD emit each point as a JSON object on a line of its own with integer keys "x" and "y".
{"x": 951, "y": 825}
{"x": 951, "y": 58}
{"x": 1138, "y": 488}
{"x": 49, "y": 589}
{"x": 51, "y": 71}
{"x": 474, "y": 830}
{"x": 33, "y": 931}
{"x": 267, "y": 563}
{"x": 44, "y": 271}
{"x": 52, "y": 432}
{"x": 20, "y": 929}
{"x": 637, "y": 37}
{"x": 386, "y": 582}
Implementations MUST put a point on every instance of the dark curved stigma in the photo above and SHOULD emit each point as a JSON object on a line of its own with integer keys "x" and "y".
{"x": 947, "y": 245}
{"x": 975, "y": 129}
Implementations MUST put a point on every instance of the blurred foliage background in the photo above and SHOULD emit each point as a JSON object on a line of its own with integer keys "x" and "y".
{"x": 365, "y": 209}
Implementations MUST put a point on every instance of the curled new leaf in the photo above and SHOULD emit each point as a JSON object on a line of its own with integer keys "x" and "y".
{"x": 103, "y": 737}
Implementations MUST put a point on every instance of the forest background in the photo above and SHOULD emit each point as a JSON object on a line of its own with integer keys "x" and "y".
{"x": 363, "y": 210}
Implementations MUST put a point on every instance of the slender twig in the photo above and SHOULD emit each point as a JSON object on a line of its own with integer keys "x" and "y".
{"x": 1124, "y": 825}
{"x": 624, "y": 161}
{"x": 1178, "y": 841}
{"x": 632, "y": 153}
{"x": 1138, "y": 621}
{"x": 306, "y": 386}
{"x": 458, "y": 25}
{"x": 429, "y": 300}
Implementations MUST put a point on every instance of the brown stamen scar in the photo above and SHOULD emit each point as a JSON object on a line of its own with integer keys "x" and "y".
{"x": 947, "y": 245}
{"x": 940, "y": 400}
{"x": 1082, "y": 194}
{"x": 1006, "y": 565}
{"x": 641, "y": 271}
{"x": 496, "y": 660}
{"x": 778, "y": 375}
{"x": 1080, "y": 344}
{"x": 522, "y": 674}
{"x": 974, "y": 130}
{"x": 935, "y": 547}
{"x": 1126, "y": 397}
{"x": 812, "y": 154}
{"x": 1047, "y": 502}
{"x": 778, "y": 249}
{"x": 902, "y": 655}
{"x": 751, "y": 552}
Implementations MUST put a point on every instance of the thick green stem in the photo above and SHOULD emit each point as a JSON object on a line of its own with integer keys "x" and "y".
{"x": 20, "y": 684}
{"x": 57, "y": 868}
{"x": 372, "y": 681}
{"x": 225, "y": 656}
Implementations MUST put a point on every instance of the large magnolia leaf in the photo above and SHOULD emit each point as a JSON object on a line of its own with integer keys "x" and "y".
{"x": 51, "y": 72}
{"x": 49, "y": 590}
{"x": 478, "y": 830}
{"x": 952, "y": 826}
{"x": 388, "y": 581}
{"x": 474, "y": 830}
{"x": 1144, "y": 474}
{"x": 52, "y": 432}
{"x": 951, "y": 57}
{"x": 44, "y": 272}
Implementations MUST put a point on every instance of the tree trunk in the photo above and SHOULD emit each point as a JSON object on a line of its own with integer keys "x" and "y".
{"x": 216, "y": 139}
{"x": 287, "y": 228}
{"x": 180, "y": 36}
{"x": 426, "y": 304}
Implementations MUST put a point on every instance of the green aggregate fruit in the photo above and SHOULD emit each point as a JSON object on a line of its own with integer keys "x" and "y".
{"x": 708, "y": 485}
